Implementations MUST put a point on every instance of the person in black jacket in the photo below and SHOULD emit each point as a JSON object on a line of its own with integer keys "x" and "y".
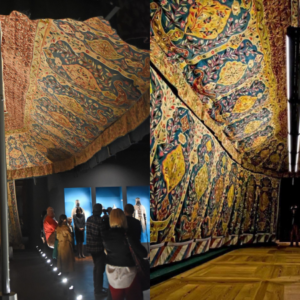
{"x": 95, "y": 225}
{"x": 134, "y": 226}
{"x": 79, "y": 222}
{"x": 294, "y": 224}
{"x": 120, "y": 266}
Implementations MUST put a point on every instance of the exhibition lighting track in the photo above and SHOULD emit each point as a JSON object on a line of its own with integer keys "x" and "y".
{"x": 293, "y": 96}
{"x": 293, "y": 93}
{"x": 69, "y": 289}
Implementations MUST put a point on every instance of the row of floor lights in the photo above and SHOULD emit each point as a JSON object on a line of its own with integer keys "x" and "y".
{"x": 64, "y": 280}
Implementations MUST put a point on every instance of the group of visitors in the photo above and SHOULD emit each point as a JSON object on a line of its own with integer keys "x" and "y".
{"x": 113, "y": 241}
{"x": 59, "y": 235}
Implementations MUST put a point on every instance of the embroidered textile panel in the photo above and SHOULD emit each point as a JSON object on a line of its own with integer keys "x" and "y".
{"x": 229, "y": 56}
{"x": 71, "y": 88}
{"x": 200, "y": 198}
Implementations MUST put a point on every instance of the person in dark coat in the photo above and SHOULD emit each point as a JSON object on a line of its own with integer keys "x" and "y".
{"x": 94, "y": 244}
{"x": 294, "y": 224}
{"x": 79, "y": 221}
{"x": 121, "y": 271}
{"x": 134, "y": 226}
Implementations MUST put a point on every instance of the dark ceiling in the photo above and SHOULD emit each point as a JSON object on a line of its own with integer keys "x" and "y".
{"x": 131, "y": 21}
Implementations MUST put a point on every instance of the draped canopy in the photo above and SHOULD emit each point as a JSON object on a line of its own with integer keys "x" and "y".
{"x": 227, "y": 61}
{"x": 71, "y": 88}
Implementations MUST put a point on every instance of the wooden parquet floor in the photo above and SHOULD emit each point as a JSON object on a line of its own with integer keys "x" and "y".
{"x": 268, "y": 273}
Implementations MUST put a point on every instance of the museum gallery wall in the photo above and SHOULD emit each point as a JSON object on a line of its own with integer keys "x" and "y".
{"x": 218, "y": 145}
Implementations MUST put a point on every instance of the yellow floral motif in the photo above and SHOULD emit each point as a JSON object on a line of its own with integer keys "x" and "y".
{"x": 258, "y": 141}
{"x": 201, "y": 181}
{"x": 243, "y": 104}
{"x": 252, "y": 127}
{"x": 224, "y": 160}
{"x": 82, "y": 77}
{"x": 208, "y": 146}
{"x": 105, "y": 49}
{"x": 206, "y": 157}
{"x": 232, "y": 72}
{"x": 157, "y": 226}
{"x": 264, "y": 202}
{"x": 175, "y": 34}
{"x": 173, "y": 168}
{"x": 15, "y": 153}
{"x": 230, "y": 196}
{"x": 235, "y": 7}
{"x": 182, "y": 138}
{"x": 205, "y": 17}
{"x": 70, "y": 104}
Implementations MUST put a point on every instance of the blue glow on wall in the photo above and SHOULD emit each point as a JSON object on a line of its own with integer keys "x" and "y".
{"x": 109, "y": 197}
{"x": 142, "y": 192}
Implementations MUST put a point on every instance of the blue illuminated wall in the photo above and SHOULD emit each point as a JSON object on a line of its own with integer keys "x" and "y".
{"x": 109, "y": 197}
{"x": 84, "y": 195}
{"x": 142, "y": 192}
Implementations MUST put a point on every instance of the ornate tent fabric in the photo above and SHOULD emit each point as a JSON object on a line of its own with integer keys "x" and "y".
{"x": 70, "y": 88}
{"x": 200, "y": 198}
{"x": 229, "y": 56}
{"x": 218, "y": 124}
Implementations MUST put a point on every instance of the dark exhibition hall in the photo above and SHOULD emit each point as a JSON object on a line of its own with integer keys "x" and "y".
{"x": 150, "y": 150}
{"x": 75, "y": 130}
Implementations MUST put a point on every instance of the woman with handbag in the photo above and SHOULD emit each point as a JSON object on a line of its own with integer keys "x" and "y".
{"x": 121, "y": 252}
{"x": 65, "y": 256}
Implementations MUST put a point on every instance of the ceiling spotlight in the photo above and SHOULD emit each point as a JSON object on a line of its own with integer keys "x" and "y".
{"x": 51, "y": 265}
{"x": 44, "y": 254}
{"x": 65, "y": 280}
{"x": 48, "y": 261}
{"x": 71, "y": 287}
{"x": 59, "y": 274}
{"x": 54, "y": 269}
{"x": 79, "y": 297}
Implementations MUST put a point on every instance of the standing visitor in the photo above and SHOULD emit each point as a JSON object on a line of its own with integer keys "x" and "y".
{"x": 124, "y": 282}
{"x": 134, "y": 225}
{"x": 79, "y": 222}
{"x": 294, "y": 224}
{"x": 50, "y": 225}
{"x": 69, "y": 223}
{"x": 65, "y": 259}
{"x": 94, "y": 245}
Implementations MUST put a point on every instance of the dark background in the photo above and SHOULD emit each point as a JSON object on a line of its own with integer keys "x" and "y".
{"x": 131, "y": 22}
{"x": 289, "y": 195}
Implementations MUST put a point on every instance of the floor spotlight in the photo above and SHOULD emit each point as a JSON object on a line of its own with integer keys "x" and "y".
{"x": 79, "y": 297}
{"x": 48, "y": 261}
{"x": 55, "y": 269}
{"x": 59, "y": 274}
{"x": 44, "y": 254}
{"x": 65, "y": 280}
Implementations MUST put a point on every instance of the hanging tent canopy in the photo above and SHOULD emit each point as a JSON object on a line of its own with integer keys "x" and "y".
{"x": 228, "y": 64}
{"x": 218, "y": 123}
{"x": 71, "y": 88}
